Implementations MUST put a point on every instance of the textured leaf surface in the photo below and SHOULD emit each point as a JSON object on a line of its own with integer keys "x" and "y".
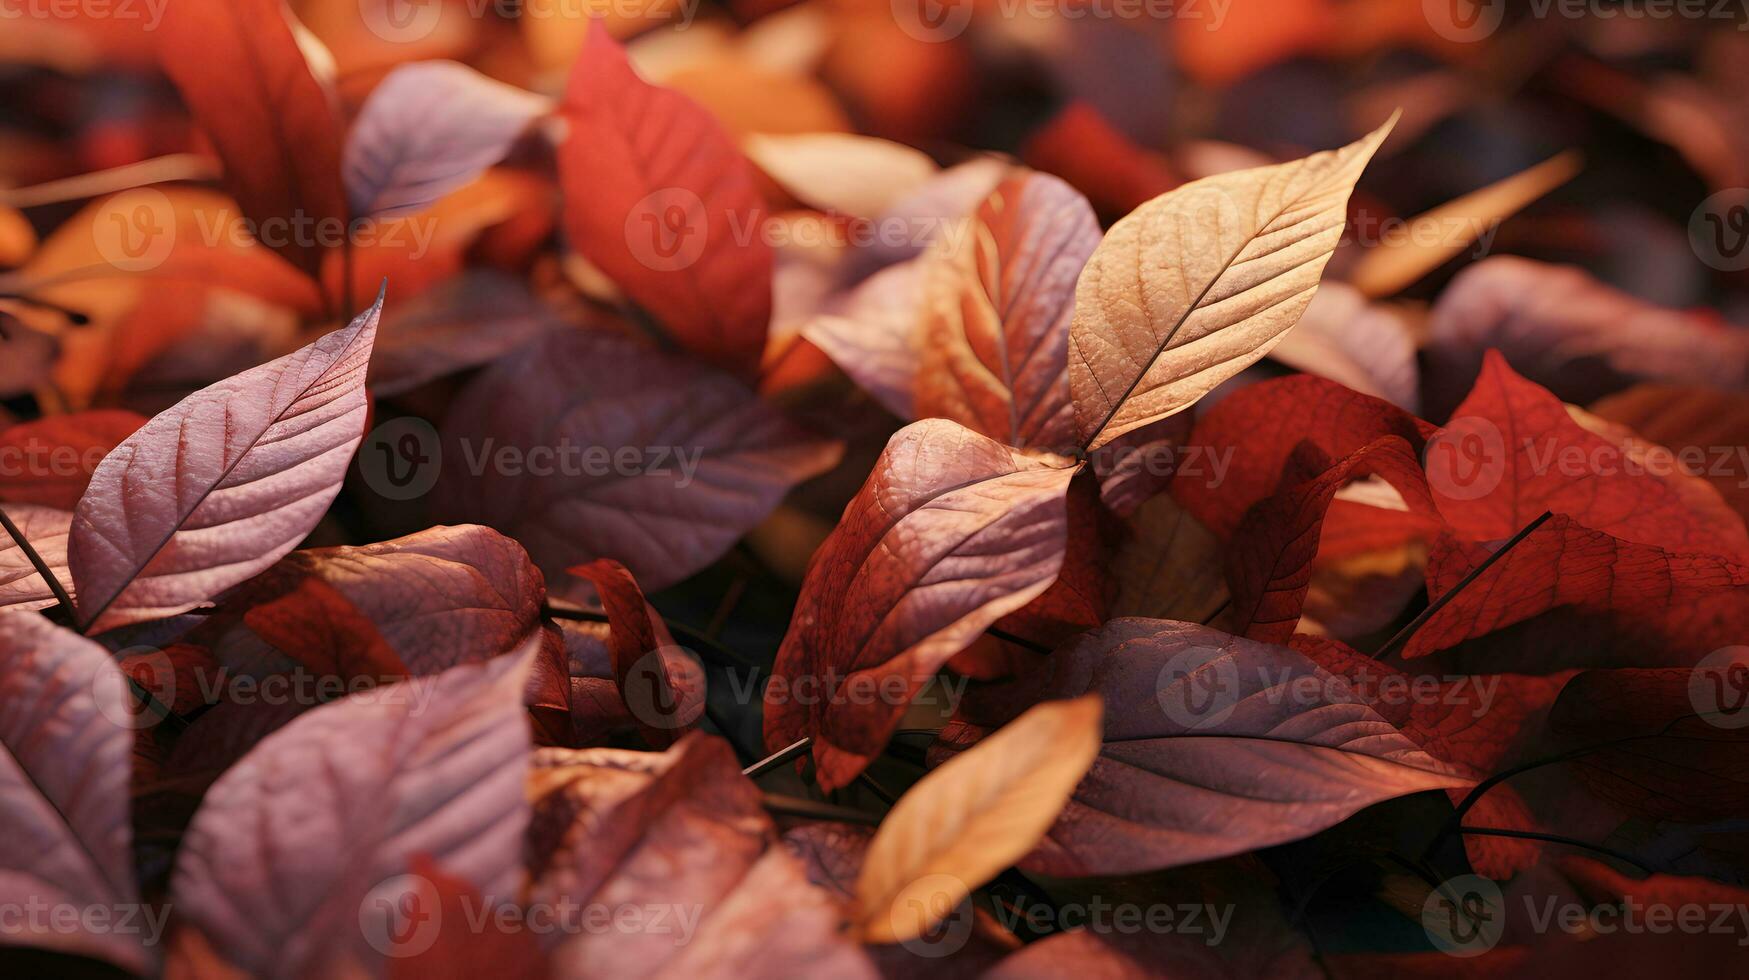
{"x": 288, "y": 844}
{"x": 65, "y": 741}
{"x": 219, "y": 486}
{"x": 951, "y": 532}
{"x": 975, "y": 815}
{"x": 1214, "y": 745}
{"x": 1199, "y": 283}
{"x": 995, "y": 337}
{"x": 656, "y": 461}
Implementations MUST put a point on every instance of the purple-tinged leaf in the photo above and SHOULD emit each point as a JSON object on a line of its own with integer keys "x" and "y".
{"x": 427, "y": 129}
{"x": 222, "y": 484}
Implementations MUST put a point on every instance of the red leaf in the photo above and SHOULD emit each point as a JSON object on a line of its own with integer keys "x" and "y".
{"x": 951, "y": 532}
{"x": 1082, "y": 147}
{"x": 1476, "y": 723}
{"x": 1261, "y": 425}
{"x": 65, "y": 837}
{"x": 222, "y": 484}
{"x": 421, "y": 767}
{"x": 49, "y": 461}
{"x": 661, "y": 685}
{"x": 994, "y": 343}
{"x": 1575, "y": 597}
{"x": 459, "y": 952}
{"x": 708, "y": 459}
{"x": 1512, "y": 451}
{"x": 660, "y": 198}
{"x": 1661, "y": 757}
{"x": 239, "y": 68}
{"x": 1214, "y": 745}
{"x": 1269, "y": 566}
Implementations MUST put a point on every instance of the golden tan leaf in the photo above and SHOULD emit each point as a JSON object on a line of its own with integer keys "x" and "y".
{"x": 975, "y": 815}
{"x": 1199, "y": 283}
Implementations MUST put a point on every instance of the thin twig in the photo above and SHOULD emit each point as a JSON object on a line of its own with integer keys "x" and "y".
{"x": 1436, "y": 605}
{"x": 777, "y": 758}
{"x": 1019, "y": 641}
{"x": 1555, "y": 839}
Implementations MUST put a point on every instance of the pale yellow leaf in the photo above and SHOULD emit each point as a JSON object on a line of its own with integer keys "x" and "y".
{"x": 858, "y": 176}
{"x": 974, "y": 816}
{"x": 1199, "y": 283}
{"x": 1427, "y": 242}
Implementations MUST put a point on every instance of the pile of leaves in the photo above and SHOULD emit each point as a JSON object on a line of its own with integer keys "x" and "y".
{"x": 732, "y": 544}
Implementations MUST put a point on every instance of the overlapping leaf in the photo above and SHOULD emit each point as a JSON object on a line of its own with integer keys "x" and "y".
{"x": 222, "y": 484}
{"x": 951, "y": 532}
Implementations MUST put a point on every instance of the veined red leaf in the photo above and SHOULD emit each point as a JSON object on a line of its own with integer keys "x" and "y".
{"x": 1199, "y": 283}
{"x": 952, "y": 531}
{"x": 243, "y": 75}
{"x": 1658, "y": 754}
{"x": 49, "y": 461}
{"x": 65, "y": 740}
{"x": 659, "y": 197}
{"x": 433, "y": 768}
{"x": 589, "y": 444}
{"x": 1214, "y": 745}
{"x": 661, "y": 686}
{"x": 444, "y": 596}
{"x": 1512, "y": 451}
{"x": 994, "y": 341}
{"x": 21, "y": 587}
{"x": 1569, "y": 596}
{"x": 222, "y": 484}
{"x": 427, "y": 129}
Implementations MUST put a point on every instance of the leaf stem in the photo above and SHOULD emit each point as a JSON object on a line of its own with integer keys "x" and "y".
{"x": 1403, "y": 635}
